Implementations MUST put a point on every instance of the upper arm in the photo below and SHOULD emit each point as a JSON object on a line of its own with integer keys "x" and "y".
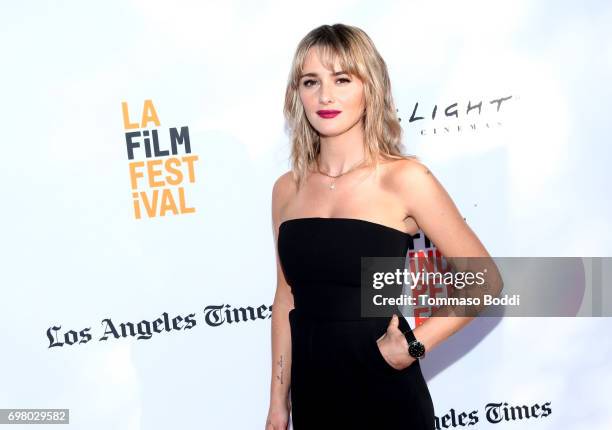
{"x": 435, "y": 212}
{"x": 280, "y": 195}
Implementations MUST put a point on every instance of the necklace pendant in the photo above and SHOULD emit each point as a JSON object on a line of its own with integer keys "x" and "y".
{"x": 332, "y": 185}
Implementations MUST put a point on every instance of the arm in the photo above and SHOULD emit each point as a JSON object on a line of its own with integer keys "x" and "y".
{"x": 281, "y": 342}
{"x": 281, "y": 331}
{"x": 438, "y": 217}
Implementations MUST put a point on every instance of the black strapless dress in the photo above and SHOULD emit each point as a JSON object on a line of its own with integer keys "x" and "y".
{"x": 339, "y": 378}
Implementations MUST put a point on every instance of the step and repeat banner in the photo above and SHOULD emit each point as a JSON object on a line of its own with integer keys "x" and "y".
{"x": 140, "y": 144}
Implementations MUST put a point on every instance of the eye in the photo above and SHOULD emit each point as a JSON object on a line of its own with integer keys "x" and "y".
{"x": 309, "y": 82}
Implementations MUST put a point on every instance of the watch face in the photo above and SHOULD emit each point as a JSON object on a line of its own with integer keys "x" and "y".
{"x": 416, "y": 349}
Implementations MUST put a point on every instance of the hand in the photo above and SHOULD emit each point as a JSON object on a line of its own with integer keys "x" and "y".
{"x": 394, "y": 347}
{"x": 278, "y": 417}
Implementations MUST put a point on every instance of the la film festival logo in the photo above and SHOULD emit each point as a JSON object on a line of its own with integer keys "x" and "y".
{"x": 161, "y": 166}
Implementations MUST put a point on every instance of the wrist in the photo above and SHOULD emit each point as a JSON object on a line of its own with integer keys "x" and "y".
{"x": 416, "y": 349}
{"x": 279, "y": 402}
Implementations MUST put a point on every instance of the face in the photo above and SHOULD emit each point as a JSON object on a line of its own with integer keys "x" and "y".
{"x": 333, "y": 100}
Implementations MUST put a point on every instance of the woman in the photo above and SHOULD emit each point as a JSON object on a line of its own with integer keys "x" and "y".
{"x": 350, "y": 193}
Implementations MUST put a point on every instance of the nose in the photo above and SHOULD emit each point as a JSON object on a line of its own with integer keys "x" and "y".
{"x": 326, "y": 94}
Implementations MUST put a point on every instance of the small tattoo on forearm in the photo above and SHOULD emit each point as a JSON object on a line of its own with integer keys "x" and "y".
{"x": 281, "y": 365}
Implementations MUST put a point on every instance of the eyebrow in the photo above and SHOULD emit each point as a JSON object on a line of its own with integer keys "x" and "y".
{"x": 341, "y": 72}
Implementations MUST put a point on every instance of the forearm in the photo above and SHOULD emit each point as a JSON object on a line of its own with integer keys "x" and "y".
{"x": 449, "y": 319}
{"x": 281, "y": 354}
{"x": 436, "y": 330}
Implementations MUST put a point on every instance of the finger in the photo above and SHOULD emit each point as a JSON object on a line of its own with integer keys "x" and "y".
{"x": 394, "y": 322}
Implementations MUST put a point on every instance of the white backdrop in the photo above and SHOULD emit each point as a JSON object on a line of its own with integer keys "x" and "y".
{"x": 531, "y": 179}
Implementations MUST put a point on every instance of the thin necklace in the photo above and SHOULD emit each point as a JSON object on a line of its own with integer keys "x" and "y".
{"x": 333, "y": 183}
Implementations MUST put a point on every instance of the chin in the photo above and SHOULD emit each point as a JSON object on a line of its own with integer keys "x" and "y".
{"x": 331, "y": 131}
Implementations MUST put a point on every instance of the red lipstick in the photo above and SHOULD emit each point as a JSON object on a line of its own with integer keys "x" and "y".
{"x": 328, "y": 113}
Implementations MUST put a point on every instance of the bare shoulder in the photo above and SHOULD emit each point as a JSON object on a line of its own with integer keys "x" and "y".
{"x": 401, "y": 170}
{"x": 411, "y": 179}
{"x": 284, "y": 187}
{"x": 428, "y": 203}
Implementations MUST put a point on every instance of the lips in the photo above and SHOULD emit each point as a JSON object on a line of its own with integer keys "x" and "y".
{"x": 328, "y": 113}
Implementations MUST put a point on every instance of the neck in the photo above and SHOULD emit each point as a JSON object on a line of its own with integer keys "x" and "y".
{"x": 340, "y": 153}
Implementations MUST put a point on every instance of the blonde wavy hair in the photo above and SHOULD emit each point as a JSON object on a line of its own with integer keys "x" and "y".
{"x": 358, "y": 56}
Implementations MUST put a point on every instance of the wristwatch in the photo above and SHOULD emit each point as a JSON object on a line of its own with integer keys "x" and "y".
{"x": 415, "y": 348}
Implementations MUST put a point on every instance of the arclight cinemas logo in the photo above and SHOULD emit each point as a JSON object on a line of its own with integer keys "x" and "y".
{"x": 457, "y": 117}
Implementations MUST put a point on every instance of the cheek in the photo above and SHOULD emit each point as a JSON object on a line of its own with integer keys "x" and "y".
{"x": 354, "y": 100}
{"x": 307, "y": 100}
